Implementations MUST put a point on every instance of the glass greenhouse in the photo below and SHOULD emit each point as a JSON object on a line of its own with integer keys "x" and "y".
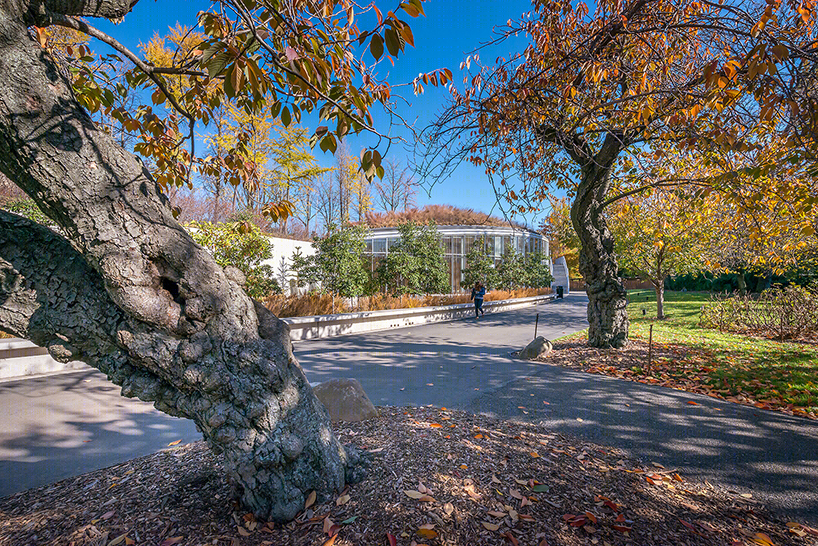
{"x": 457, "y": 240}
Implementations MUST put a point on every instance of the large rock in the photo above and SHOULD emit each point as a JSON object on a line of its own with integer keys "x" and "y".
{"x": 345, "y": 400}
{"x": 538, "y": 348}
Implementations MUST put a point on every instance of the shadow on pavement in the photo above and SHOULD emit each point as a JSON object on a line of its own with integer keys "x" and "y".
{"x": 60, "y": 426}
{"x": 770, "y": 455}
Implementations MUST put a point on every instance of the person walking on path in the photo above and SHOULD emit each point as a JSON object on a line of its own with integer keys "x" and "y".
{"x": 477, "y": 294}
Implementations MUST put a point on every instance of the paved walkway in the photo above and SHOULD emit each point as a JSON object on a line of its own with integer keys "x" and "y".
{"x": 464, "y": 365}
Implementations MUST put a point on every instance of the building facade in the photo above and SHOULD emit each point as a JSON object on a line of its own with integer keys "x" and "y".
{"x": 457, "y": 240}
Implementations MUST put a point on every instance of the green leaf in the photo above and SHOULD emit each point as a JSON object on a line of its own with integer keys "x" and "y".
{"x": 349, "y": 520}
{"x": 541, "y": 488}
{"x": 376, "y": 46}
{"x": 216, "y": 64}
{"x": 392, "y": 42}
{"x": 285, "y": 117}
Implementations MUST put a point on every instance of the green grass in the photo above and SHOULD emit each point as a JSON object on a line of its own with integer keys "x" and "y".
{"x": 770, "y": 372}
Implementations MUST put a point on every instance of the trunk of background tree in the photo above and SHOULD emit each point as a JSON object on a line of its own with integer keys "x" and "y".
{"x": 607, "y": 298}
{"x": 135, "y": 297}
{"x": 742, "y": 282}
{"x": 659, "y": 288}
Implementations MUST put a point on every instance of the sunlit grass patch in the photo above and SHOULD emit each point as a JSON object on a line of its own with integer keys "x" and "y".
{"x": 765, "y": 372}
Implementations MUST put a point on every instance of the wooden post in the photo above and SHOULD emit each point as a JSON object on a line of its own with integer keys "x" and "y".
{"x": 650, "y": 350}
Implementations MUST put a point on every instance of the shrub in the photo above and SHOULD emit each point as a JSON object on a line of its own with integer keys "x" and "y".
{"x": 241, "y": 245}
{"x": 782, "y": 313}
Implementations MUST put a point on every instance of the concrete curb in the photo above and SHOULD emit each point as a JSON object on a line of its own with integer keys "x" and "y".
{"x": 20, "y": 358}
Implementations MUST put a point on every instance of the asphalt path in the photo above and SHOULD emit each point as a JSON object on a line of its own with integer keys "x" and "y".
{"x": 446, "y": 364}
{"x": 58, "y": 426}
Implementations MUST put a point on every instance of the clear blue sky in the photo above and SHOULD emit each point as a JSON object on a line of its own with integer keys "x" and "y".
{"x": 450, "y": 31}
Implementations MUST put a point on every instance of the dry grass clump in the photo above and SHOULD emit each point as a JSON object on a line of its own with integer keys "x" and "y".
{"x": 306, "y": 305}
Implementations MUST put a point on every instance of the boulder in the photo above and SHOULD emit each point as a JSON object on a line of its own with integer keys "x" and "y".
{"x": 345, "y": 400}
{"x": 538, "y": 348}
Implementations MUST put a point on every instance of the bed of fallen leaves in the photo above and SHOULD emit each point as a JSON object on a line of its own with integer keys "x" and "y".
{"x": 673, "y": 366}
{"x": 436, "y": 477}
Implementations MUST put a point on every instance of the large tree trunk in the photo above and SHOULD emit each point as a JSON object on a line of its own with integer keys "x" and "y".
{"x": 134, "y": 296}
{"x": 607, "y": 298}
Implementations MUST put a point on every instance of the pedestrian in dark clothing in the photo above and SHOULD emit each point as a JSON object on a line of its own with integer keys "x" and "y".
{"x": 477, "y": 294}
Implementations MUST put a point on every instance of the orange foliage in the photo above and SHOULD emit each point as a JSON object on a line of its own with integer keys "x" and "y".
{"x": 446, "y": 215}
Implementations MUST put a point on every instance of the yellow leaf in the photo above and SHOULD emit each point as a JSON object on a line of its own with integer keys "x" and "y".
{"x": 176, "y": 443}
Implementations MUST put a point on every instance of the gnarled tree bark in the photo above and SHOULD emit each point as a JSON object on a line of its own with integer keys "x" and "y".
{"x": 129, "y": 292}
{"x": 607, "y": 297}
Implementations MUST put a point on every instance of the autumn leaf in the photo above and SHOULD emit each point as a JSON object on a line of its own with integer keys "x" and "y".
{"x": 763, "y": 539}
{"x": 310, "y": 500}
{"x": 343, "y": 499}
{"x": 121, "y": 538}
{"x": 392, "y": 539}
{"x": 411, "y": 493}
{"x": 427, "y": 531}
{"x": 171, "y": 541}
{"x": 176, "y": 443}
{"x": 511, "y": 538}
{"x": 489, "y": 526}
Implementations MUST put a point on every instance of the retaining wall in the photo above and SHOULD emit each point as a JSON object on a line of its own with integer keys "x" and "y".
{"x": 319, "y": 326}
{"x": 21, "y": 358}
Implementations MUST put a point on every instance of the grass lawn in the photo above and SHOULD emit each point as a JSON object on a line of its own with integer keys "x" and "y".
{"x": 760, "y": 371}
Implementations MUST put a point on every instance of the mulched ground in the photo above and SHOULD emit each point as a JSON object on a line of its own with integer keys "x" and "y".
{"x": 436, "y": 477}
{"x": 673, "y": 366}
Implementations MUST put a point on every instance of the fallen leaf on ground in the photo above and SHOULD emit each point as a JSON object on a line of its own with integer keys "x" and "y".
{"x": 511, "y": 538}
{"x": 176, "y": 443}
{"x": 310, "y": 500}
{"x": 490, "y": 526}
{"x": 427, "y": 531}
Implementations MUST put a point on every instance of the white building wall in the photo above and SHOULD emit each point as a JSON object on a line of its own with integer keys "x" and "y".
{"x": 560, "y": 272}
{"x": 281, "y": 262}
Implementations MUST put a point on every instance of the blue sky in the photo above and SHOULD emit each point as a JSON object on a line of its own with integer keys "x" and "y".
{"x": 450, "y": 31}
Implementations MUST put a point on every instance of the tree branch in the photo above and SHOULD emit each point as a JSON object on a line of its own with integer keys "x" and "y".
{"x": 40, "y": 11}
{"x": 150, "y": 71}
{"x": 662, "y": 184}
